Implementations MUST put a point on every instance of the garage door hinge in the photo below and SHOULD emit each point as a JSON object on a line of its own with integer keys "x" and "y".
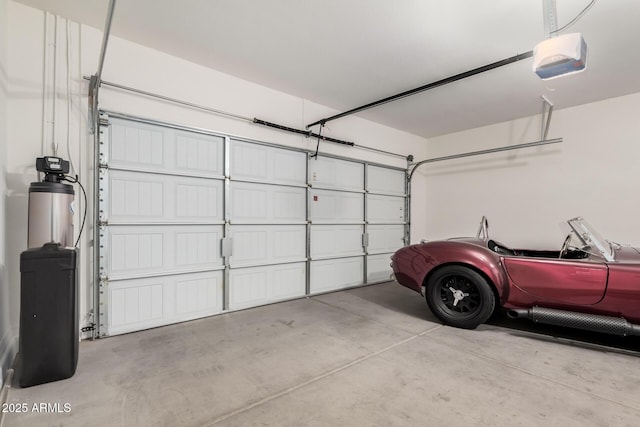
{"x": 103, "y": 223}
{"x": 365, "y": 239}
{"x": 103, "y": 121}
{"x": 103, "y": 164}
{"x": 104, "y": 280}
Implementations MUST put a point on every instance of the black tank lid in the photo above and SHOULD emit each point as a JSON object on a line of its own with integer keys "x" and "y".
{"x": 50, "y": 187}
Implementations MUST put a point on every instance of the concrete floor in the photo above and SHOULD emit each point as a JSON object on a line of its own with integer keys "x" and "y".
{"x": 372, "y": 356}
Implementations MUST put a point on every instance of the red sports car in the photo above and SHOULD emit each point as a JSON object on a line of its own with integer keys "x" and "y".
{"x": 589, "y": 283}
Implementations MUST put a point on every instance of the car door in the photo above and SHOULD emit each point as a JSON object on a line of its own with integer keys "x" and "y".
{"x": 579, "y": 282}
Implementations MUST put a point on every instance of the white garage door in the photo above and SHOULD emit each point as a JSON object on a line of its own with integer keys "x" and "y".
{"x": 194, "y": 224}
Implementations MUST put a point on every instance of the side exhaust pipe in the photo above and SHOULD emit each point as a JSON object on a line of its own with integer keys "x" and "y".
{"x": 570, "y": 319}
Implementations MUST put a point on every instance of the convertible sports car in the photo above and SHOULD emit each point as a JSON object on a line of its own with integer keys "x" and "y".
{"x": 589, "y": 283}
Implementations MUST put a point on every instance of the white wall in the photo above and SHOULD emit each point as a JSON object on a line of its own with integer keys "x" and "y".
{"x": 30, "y": 113}
{"x": 7, "y": 335}
{"x": 527, "y": 193}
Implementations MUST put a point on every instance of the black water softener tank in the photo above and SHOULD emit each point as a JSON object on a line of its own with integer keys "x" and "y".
{"x": 49, "y": 325}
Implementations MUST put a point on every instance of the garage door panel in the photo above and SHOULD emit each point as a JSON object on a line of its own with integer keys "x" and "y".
{"x": 250, "y": 287}
{"x": 148, "y": 302}
{"x": 199, "y": 153}
{"x": 327, "y": 172}
{"x": 134, "y": 196}
{"x": 268, "y": 244}
{"x": 385, "y": 238}
{"x": 383, "y": 180}
{"x": 132, "y": 251}
{"x": 290, "y": 167}
{"x": 141, "y": 302}
{"x": 198, "y": 200}
{"x": 385, "y": 209}
{"x": 198, "y": 248}
{"x": 145, "y": 198}
{"x": 136, "y": 144}
{"x": 254, "y": 162}
{"x": 336, "y": 240}
{"x": 199, "y": 293}
{"x": 289, "y": 281}
{"x": 334, "y": 274}
{"x": 379, "y": 268}
{"x": 262, "y": 203}
{"x": 156, "y": 250}
{"x": 145, "y": 147}
{"x": 328, "y": 206}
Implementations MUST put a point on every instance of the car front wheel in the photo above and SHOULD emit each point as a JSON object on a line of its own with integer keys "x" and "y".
{"x": 460, "y": 297}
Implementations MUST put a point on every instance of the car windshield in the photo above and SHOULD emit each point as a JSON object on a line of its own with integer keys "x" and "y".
{"x": 590, "y": 237}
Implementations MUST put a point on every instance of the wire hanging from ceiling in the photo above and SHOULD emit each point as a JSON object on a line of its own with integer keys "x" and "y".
{"x": 68, "y": 82}
{"x": 54, "y": 142}
{"x": 576, "y": 19}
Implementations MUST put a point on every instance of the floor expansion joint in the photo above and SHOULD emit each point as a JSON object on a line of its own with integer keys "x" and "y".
{"x": 322, "y": 376}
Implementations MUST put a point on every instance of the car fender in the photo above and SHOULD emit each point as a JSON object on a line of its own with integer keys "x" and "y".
{"x": 435, "y": 255}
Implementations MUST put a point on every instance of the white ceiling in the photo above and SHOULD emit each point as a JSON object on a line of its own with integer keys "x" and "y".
{"x": 345, "y": 53}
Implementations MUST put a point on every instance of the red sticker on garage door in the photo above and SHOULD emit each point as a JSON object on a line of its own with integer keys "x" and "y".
{"x": 315, "y": 198}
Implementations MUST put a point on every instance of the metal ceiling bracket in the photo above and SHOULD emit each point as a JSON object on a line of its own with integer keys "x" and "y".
{"x": 93, "y": 103}
{"x": 547, "y": 107}
{"x": 550, "y": 15}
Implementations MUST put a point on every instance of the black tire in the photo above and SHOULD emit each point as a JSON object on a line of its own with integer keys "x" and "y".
{"x": 475, "y": 303}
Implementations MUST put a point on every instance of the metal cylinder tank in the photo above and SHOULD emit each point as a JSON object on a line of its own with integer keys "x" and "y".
{"x": 50, "y": 214}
